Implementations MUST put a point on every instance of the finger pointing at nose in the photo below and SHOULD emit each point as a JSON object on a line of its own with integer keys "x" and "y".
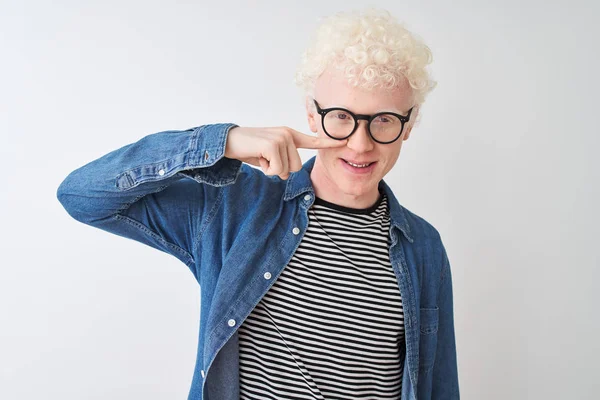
{"x": 313, "y": 142}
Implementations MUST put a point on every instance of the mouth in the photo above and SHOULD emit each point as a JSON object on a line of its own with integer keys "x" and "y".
{"x": 359, "y": 167}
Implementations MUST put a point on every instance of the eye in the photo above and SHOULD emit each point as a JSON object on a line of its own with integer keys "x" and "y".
{"x": 342, "y": 115}
{"x": 386, "y": 119}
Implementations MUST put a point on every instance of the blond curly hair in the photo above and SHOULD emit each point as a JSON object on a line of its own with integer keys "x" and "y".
{"x": 372, "y": 48}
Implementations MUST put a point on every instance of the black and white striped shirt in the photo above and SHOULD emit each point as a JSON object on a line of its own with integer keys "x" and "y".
{"x": 332, "y": 324}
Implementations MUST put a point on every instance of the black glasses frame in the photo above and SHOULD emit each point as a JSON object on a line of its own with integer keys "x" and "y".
{"x": 323, "y": 111}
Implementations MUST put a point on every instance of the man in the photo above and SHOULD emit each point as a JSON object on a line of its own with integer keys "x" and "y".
{"x": 315, "y": 282}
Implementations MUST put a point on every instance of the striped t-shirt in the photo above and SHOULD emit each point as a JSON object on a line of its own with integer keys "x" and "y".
{"x": 332, "y": 324}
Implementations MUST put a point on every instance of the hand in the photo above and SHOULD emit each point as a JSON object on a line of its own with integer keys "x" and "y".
{"x": 273, "y": 149}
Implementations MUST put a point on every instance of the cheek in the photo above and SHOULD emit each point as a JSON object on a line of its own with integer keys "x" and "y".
{"x": 391, "y": 157}
{"x": 327, "y": 154}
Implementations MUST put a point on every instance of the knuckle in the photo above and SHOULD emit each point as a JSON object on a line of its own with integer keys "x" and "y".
{"x": 281, "y": 139}
{"x": 273, "y": 145}
{"x": 288, "y": 133}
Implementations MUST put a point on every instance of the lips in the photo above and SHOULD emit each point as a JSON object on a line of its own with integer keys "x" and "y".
{"x": 357, "y": 163}
{"x": 358, "y": 171}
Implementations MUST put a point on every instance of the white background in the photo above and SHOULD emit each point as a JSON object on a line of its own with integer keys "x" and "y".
{"x": 504, "y": 164}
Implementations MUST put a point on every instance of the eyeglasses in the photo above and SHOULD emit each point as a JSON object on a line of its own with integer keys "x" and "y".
{"x": 384, "y": 127}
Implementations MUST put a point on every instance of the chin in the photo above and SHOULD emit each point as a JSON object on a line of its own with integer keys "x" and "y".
{"x": 353, "y": 187}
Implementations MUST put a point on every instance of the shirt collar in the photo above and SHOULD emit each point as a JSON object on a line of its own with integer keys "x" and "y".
{"x": 299, "y": 182}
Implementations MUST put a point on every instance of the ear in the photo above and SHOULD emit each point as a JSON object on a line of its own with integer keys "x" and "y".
{"x": 311, "y": 114}
{"x": 411, "y": 124}
{"x": 407, "y": 133}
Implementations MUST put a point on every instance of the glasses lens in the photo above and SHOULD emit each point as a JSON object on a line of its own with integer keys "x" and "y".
{"x": 386, "y": 127}
{"x": 338, "y": 123}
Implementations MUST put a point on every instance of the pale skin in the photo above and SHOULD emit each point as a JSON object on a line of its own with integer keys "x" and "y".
{"x": 274, "y": 149}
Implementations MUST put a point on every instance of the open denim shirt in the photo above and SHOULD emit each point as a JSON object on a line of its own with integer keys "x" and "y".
{"x": 231, "y": 224}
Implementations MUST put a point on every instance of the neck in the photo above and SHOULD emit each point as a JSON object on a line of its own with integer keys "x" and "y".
{"x": 327, "y": 189}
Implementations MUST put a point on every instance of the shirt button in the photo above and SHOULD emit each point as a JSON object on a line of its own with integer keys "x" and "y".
{"x": 206, "y": 155}
{"x": 202, "y": 372}
{"x": 307, "y": 197}
{"x": 267, "y": 275}
{"x": 161, "y": 172}
{"x": 296, "y": 230}
{"x": 231, "y": 322}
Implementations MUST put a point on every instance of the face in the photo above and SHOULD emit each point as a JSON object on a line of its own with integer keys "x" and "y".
{"x": 333, "y": 178}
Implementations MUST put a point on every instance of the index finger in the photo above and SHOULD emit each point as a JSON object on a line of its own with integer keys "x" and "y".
{"x": 314, "y": 142}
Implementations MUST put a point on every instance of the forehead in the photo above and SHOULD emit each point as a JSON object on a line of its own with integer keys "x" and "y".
{"x": 332, "y": 89}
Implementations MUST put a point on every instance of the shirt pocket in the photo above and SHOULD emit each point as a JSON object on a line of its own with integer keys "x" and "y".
{"x": 428, "y": 337}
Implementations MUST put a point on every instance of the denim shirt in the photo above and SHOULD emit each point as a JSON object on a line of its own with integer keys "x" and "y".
{"x": 236, "y": 229}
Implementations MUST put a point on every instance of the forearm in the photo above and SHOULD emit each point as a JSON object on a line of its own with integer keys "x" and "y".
{"x": 111, "y": 183}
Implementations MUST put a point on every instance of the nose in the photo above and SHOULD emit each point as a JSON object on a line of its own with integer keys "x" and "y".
{"x": 360, "y": 141}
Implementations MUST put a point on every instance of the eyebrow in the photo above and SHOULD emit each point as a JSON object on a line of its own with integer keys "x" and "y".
{"x": 376, "y": 112}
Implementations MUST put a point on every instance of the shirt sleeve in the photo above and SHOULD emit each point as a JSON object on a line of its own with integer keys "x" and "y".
{"x": 156, "y": 190}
